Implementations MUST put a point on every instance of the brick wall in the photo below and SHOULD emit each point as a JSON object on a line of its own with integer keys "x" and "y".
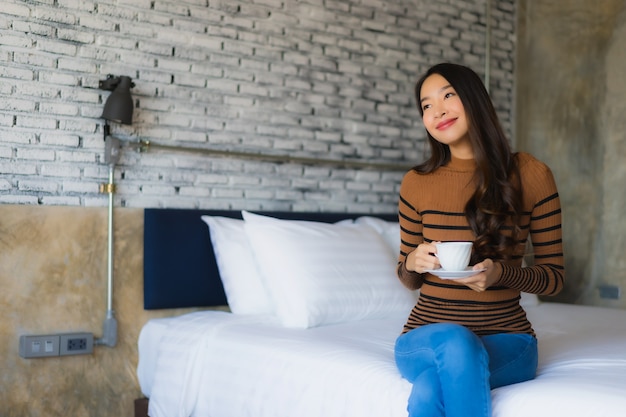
{"x": 328, "y": 79}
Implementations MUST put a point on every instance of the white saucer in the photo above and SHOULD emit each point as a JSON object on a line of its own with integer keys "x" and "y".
{"x": 443, "y": 274}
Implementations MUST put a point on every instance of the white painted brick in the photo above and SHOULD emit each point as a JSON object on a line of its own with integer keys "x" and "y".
{"x": 114, "y": 42}
{"x": 37, "y": 186}
{"x": 228, "y": 193}
{"x": 145, "y": 16}
{"x": 238, "y": 101}
{"x": 280, "y": 76}
{"x": 6, "y": 152}
{"x": 15, "y": 9}
{"x": 17, "y": 105}
{"x": 18, "y": 168}
{"x": 76, "y": 4}
{"x": 34, "y": 122}
{"x": 16, "y": 41}
{"x": 259, "y": 194}
{"x": 18, "y": 73}
{"x": 190, "y": 136}
{"x": 101, "y": 54}
{"x": 194, "y": 192}
{"x": 222, "y": 60}
{"x": 222, "y": 85}
{"x": 190, "y": 80}
{"x": 75, "y": 35}
{"x": 141, "y": 4}
{"x": 81, "y": 95}
{"x": 254, "y": 90}
{"x": 32, "y": 89}
{"x": 155, "y": 76}
{"x": 58, "y": 109}
{"x": 75, "y": 156}
{"x": 35, "y": 154}
{"x": 215, "y": 179}
{"x": 59, "y": 139}
{"x": 54, "y": 77}
{"x": 37, "y": 29}
{"x": 18, "y": 199}
{"x": 60, "y": 201}
{"x": 83, "y": 187}
{"x": 5, "y": 185}
{"x": 96, "y": 23}
{"x": 51, "y": 15}
{"x": 163, "y": 190}
{"x": 207, "y": 69}
{"x": 171, "y": 8}
{"x": 276, "y": 182}
{"x": 289, "y": 194}
{"x": 74, "y": 124}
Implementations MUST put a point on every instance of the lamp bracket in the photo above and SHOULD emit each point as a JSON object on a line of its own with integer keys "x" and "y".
{"x": 108, "y": 188}
{"x": 111, "y": 150}
{"x": 111, "y": 82}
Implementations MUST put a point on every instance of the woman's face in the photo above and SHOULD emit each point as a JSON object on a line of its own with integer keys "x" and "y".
{"x": 444, "y": 114}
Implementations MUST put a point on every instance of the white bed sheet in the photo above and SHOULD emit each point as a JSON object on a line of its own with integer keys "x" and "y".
{"x": 216, "y": 364}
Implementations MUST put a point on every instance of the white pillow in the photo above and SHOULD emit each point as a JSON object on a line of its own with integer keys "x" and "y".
{"x": 319, "y": 273}
{"x": 240, "y": 275}
{"x": 390, "y": 231}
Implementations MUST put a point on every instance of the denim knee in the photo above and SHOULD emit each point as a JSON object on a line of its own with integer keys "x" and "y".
{"x": 437, "y": 344}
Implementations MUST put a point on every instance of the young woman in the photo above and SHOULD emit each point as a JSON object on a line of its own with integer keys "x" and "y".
{"x": 467, "y": 336}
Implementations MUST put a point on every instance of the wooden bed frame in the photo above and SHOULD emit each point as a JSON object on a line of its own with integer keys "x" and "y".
{"x": 141, "y": 407}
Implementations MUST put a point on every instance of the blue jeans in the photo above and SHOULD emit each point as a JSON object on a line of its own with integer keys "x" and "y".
{"x": 453, "y": 370}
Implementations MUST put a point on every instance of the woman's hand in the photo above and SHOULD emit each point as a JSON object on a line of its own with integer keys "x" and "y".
{"x": 422, "y": 258}
{"x": 480, "y": 282}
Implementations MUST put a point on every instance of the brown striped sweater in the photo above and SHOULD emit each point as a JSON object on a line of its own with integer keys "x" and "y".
{"x": 431, "y": 208}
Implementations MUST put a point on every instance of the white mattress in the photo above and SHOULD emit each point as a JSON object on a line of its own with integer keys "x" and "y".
{"x": 216, "y": 364}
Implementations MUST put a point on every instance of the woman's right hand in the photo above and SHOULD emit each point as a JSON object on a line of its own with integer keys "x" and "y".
{"x": 422, "y": 258}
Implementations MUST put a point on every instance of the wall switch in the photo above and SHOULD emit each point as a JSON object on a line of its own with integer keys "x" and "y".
{"x": 76, "y": 344}
{"x": 39, "y": 346}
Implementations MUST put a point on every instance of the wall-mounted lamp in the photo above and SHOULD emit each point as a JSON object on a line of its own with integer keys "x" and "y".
{"x": 118, "y": 108}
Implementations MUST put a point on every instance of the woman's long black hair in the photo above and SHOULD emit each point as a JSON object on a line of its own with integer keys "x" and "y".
{"x": 496, "y": 204}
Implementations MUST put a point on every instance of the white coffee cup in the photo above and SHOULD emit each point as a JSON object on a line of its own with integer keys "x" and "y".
{"x": 454, "y": 256}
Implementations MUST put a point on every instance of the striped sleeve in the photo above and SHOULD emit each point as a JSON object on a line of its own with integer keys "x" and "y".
{"x": 411, "y": 235}
{"x": 546, "y": 276}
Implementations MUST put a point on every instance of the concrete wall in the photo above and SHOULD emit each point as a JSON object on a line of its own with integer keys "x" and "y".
{"x": 570, "y": 113}
{"x": 314, "y": 78}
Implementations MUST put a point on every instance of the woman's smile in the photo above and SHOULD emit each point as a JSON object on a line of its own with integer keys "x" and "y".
{"x": 444, "y": 124}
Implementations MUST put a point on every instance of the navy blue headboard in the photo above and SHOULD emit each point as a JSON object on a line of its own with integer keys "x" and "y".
{"x": 180, "y": 269}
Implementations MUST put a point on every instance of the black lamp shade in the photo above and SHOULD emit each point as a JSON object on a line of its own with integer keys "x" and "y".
{"x": 119, "y": 106}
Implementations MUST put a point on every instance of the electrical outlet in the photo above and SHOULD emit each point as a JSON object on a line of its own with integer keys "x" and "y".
{"x": 39, "y": 346}
{"x": 76, "y": 344}
{"x": 64, "y": 344}
{"x": 610, "y": 291}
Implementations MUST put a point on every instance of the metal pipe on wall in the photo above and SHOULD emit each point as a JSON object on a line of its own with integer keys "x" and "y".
{"x": 146, "y": 145}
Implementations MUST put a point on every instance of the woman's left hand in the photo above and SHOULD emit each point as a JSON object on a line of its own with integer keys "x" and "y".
{"x": 483, "y": 280}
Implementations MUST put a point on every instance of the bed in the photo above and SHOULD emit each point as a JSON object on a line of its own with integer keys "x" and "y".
{"x": 321, "y": 345}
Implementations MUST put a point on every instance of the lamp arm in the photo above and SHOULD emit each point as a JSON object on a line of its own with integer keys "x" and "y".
{"x": 109, "y": 331}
